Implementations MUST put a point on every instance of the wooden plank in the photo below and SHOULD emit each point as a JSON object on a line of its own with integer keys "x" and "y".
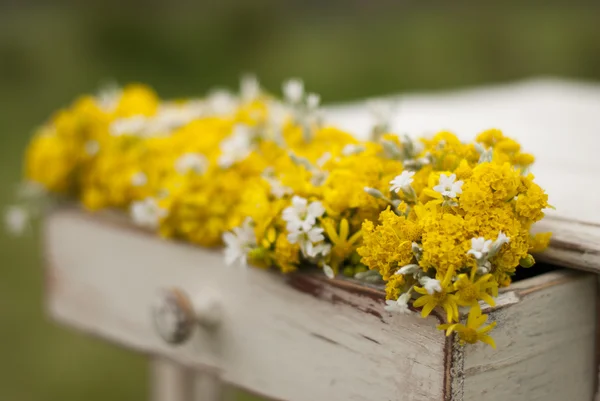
{"x": 545, "y": 344}
{"x": 293, "y": 338}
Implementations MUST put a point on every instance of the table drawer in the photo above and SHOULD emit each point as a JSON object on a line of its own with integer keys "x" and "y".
{"x": 303, "y": 337}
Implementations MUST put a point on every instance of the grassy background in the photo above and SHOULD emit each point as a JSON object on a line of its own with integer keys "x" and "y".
{"x": 343, "y": 50}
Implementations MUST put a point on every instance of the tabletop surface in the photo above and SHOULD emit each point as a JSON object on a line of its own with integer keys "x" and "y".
{"x": 557, "y": 121}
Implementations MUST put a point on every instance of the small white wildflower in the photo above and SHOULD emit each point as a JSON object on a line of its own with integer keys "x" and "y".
{"x": 479, "y": 247}
{"x": 91, "y": 147}
{"x": 315, "y": 250}
{"x": 328, "y": 271}
{"x": 128, "y": 126}
{"x": 313, "y": 100}
{"x": 352, "y": 149}
{"x": 293, "y": 90}
{"x": 402, "y": 181}
{"x": 249, "y": 87}
{"x": 171, "y": 116}
{"x": 16, "y": 220}
{"x": 221, "y": 102}
{"x": 484, "y": 268}
{"x": 431, "y": 285}
{"x": 108, "y": 97}
{"x": 139, "y": 179}
{"x": 502, "y": 239}
{"x": 191, "y": 162}
{"x": 400, "y": 305}
{"x": 497, "y": 244}
{"x": 278, "y": 190}
{"x": 147, "y": 213}
{"x": 301, "y": 215}
{"x": 448, "y": 186}
{"x": 303, "y": 237}
{"x": 238, "y": 243}
{"x": 236, "y": 147}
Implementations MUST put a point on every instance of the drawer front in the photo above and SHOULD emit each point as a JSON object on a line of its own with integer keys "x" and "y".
{"x": 292, "y": 338}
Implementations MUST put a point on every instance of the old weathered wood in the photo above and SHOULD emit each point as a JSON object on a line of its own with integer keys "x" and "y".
{"x": 291, "y": 338}
{"x": 304, "y": 337}
{"x": 549, "y": 325}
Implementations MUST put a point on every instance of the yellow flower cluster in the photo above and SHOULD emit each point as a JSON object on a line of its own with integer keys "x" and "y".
{"x": 440, "y": 221}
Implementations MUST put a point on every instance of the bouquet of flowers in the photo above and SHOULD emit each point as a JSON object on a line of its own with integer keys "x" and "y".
{"x": 443, "y": 223}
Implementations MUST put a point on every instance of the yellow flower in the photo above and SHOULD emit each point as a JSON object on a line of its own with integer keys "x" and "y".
{"x": 490, "y": 185}
{"x": 468, "y": 293}
{"x": 539, "y": 242}
{"x": 287, "y": 255}
{"x": 443, "y": 298}
{"x": 445, "y": 242}
{"x": 137, "y": 99}
{"x": 530, "y": 204}
{"x": 473, "y": 331}
{"x": 342, "y": 243}
{"x": 394, "y": 286}
{"x": 388, "y": 246}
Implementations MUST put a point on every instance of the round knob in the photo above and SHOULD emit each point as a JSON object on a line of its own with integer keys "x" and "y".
{"x": 175, "y": 315}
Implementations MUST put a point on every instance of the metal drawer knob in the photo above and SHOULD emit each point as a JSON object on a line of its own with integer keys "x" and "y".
{"x": 175, "y": 314}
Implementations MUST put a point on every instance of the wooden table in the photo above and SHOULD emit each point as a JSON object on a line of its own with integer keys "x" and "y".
{"x": 304, "y": 337}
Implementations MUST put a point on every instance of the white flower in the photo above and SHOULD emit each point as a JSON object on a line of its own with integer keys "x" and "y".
{"x": 402, "y": 181}
{"x": 139, "y": 179}
{"x": 238, "y": 242}
{"x": 278, "y": 190}
{"x": 501, "y": 240}
{"x": 315, "y": 250}
{"x": 303, "y": 237}
{"x": 191, "y": 162}
{"x": 301, "y": 215}
{"x": 328, "y": 271}
{"x": 313, "y": 100}
{"x": 128, "y": 126}
{"x": 221, "y": 102}
{"x": 91, "y": 147}
{"x": 352, "y": 149}
{"x": 236, "y": 147}
{"x": 16, "y": 220}
{"x": 484, "y": 268}
{"x": 108, "y": 97}
{"x": 293, "y": 90}
{"x": 147, "y": 213}
{"x": 249, "y": 87}
{"x": 479, "y": 247}
{"x": 448, "y": 187}
{"x": 431, "y": 285}
{"x": 400, "y": 305}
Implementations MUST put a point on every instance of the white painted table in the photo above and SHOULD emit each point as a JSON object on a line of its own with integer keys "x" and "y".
{"x": 304, "y": 338}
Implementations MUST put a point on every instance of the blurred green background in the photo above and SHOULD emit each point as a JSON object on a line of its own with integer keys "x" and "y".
{"x": 342, "y": 49}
